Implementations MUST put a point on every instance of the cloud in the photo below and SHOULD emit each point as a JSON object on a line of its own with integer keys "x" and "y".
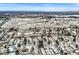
{"x": 76, "y": 4}
{"x": 45, "y": 8}
{"x": 39, "y": 7}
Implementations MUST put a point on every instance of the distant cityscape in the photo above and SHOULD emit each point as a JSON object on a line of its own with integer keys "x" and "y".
{"x": 39, "y": 29}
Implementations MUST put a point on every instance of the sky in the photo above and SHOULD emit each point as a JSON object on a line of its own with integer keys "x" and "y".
{"x": 39, "y": 6}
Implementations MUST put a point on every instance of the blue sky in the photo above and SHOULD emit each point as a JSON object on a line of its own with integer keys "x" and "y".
{"x": 39, "y": 7}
